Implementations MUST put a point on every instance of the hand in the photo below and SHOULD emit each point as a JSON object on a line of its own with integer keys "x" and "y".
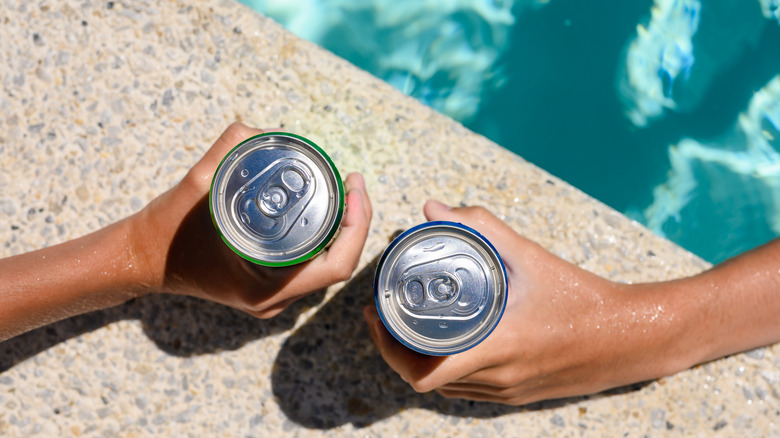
{"x": 181, "y": 252}
{"x": 564, "y": 332}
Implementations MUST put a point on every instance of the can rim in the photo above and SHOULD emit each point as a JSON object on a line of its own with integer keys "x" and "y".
{"x": 328, "y": 237}
{"x": 396, "y": 242}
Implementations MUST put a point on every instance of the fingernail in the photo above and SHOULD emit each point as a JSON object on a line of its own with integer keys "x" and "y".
{"x": 354, "y": 181}
{"x": 360, "y": 180}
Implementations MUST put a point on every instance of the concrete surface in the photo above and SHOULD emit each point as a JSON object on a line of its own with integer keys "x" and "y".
{"x": 104, "y": 105}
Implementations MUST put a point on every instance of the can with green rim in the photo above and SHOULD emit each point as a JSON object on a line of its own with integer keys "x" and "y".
{"x": 277, "y": 199}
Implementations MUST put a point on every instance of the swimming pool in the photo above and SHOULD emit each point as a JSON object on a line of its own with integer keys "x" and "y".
{"x": 666, "y": 110}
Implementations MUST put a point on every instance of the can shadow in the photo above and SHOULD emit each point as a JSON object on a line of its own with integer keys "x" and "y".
{"x": 329, "y": 373}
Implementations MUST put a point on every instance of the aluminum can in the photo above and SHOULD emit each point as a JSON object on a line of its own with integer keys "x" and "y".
{"x": 277, "y": 199}
{"x": 440, "y": 288}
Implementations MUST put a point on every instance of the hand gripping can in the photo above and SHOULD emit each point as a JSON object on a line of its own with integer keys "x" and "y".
{"x": 277, "y": 199}
{"x": 440, "y": 288}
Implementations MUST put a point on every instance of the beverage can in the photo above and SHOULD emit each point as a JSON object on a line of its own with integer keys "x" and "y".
{"x": 440, "y": 288}
{"x": 277, "y": 199}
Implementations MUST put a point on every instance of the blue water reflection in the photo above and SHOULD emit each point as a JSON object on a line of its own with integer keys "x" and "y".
{"x": 666, "y": 110}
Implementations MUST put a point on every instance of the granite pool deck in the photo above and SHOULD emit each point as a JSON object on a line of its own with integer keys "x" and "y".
{"x": 104, "y": 105}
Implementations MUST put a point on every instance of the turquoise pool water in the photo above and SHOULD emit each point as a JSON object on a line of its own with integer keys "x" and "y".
{"x": 666, "y": 110}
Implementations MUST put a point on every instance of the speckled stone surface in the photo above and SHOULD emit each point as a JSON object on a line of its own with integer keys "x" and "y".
{"x": 104, "y": 105}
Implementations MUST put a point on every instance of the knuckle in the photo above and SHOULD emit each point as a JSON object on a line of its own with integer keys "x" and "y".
{"x": 340, "y": 271}
{"x": 504, "y": 380}
{"x": 480, "y": 213}
{"x": 234, "y": 131}
{"x": 265, "y": 313}
{"x": 196, "y": 181}
{"x": 234, "y": 134}
{"x": 421, "y": 386}
{"x": 509, "y": 379}
{"x": 476, "y": 213}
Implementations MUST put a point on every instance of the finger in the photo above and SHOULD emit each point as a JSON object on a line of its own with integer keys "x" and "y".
{"x": 424, "y": 373}
{"x": 413, "y": 367}
{"x": 343, "y": 256}
{"x": 478, "y": 218}
{"x": 494, "y": 383}
{"x": 203, "y": 171}
{"x": 487, "y": 389}
{"x": 496, "y": 231}
{"x": 340, "y": 260}
{"x": 513, "y": 396}
{"x": 271, "y": 311}
{"x": 478, "y": 396}
{"x": 230, "y": 138}
{"x": 356, "y": 180}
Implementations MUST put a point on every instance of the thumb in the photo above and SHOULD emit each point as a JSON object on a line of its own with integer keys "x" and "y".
{"x": 501, "y": 235}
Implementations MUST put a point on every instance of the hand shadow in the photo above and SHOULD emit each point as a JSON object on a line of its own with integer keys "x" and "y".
{"x": 198, "y": 258}
{"x": 329, "y": 373}
{"x": 179, "y": 325}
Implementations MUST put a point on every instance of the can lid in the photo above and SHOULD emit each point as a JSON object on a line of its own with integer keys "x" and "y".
{"x": 277, "y": 199}
{"x": 440, "y": 288}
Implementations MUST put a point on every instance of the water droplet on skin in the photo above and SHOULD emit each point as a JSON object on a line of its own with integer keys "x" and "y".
{"x": 244, "y": 173}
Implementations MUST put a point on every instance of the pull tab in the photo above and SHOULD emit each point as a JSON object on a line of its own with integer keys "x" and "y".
{"x": 430, "y": 291}
{"x": 454, "y": 287}
{"x": 262, "y": 225}
{"x": 264, "y": 210}
{"x": 283, "y": 190}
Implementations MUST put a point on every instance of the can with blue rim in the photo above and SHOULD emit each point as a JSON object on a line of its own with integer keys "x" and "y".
{"x": 440, "y": 288}
{"x": 277, "y": 199}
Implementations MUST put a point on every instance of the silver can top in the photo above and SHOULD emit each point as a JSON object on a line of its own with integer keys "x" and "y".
{"x": 277, "y": 199}
{"x": 440, "y": 288}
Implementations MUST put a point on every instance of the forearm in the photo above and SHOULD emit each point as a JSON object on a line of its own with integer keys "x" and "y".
{"x": 730, "y": 308}
{"x": 740, "y": 302}
{"x": 93, "y": 272}
{"x": 649, "y": 330}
